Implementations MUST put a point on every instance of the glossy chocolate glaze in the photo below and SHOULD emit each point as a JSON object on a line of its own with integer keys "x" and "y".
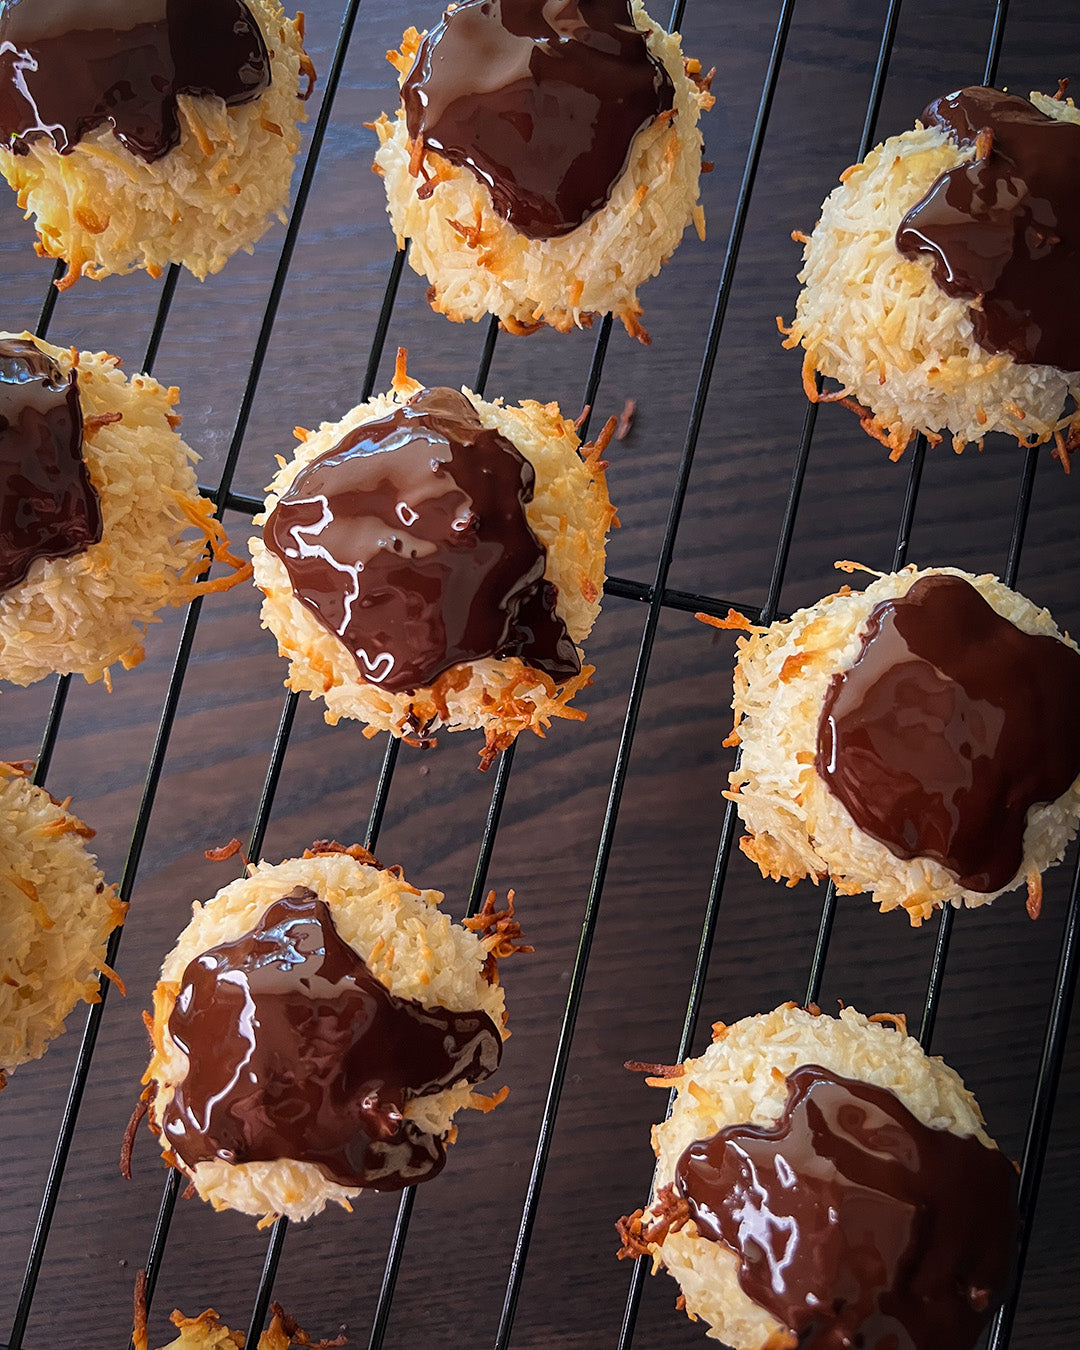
{"x": 949, "y": 726}
{"x": 854, "y": 1223}
{"x": 297, "y": 1051}
{"x": 409, "y": 542}
{"x": 48, "y": 505}
{"x": 68, "y": 66}
{"x": 1006, "y": 226}
{"x": 540, "y": 99}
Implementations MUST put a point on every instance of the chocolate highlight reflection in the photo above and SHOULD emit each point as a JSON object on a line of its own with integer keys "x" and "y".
{"x": 540, "y": 101}
{"x": 854, "y": 1223}
{"x": 951, "y": 724}
{"x": 297, "y": 1051}
{"x": 409, "y": 542}
{"x": 1004, "y": 229}
{"x": 48, "y": 505}
{"x": 70, "y": 66}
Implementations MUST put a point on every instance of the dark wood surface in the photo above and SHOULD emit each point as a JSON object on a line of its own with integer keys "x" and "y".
{"x": 1001, "y": 969}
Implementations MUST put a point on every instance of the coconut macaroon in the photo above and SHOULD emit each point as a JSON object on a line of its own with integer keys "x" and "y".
{"x": 917, "y": 740}
{"x": 467, "y": 605}
{"x": 57, "y": 914}
{"x": 506, "y": 212}
{"x": 784, "y": 1122}
{"x": 162, "y": 175}
{"x": 363, "y": 1093}
{"x": 209, "y": 1332}
{"x": 93, "y": 546}
{"x": 926, "y": 340}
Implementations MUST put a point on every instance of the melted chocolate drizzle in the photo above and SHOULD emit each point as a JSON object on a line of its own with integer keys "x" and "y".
{"x": 540, "y": 99}
{"x": 297, "y": 1051}
{"x": 69, "y": 66}
{"x": 48, "y": 505}
{"x": 409, "y": 542}
{"x": 854, "y": 1223}
{"x": 949, "y": 726}
{"x": 1005, "y": 228}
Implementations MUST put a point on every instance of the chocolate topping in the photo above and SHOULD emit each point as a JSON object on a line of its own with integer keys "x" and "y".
{"x": 949, "y": 726}
{"x": 68, "y": 66}
{"x": 48, "y": 506}
{"x": 540, "y": 99}
{"x": 409, "y": 542}
{"x": 854, "y": 1223}
{"x": 1006, "y": 226}
{"x": 297, "y": 1051}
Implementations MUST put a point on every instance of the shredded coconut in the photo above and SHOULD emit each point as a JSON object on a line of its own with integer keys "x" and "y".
{"x": 796, "y": 826}
{"x": 105, "y": 210}
{"x": 741, "y": 1079}
{"x": 81, "y": 614}
{"x": 57, "y": 917}
{"x": 570, "y": 514}
{"x": 878, "y": 323}
{"x": 478, "y": 264}
{"x": 405, "y": 941}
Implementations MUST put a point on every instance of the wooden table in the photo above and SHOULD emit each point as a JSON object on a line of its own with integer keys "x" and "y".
{"x": 616, "y": 824}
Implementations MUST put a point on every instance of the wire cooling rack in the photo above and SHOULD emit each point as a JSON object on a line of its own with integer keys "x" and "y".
{"x": 648, "y": 924}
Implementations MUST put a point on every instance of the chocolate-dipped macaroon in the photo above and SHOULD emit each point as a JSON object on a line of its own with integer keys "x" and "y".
{"x": 545, "y": 159}
{"x": 435, "y": 560}
{"x": 918, "y": 739}
{"x": 56, "y": 914}
{"x": 101, "y": 520}
{"x": 942, "y": 281}
{"x": 823, "y": 1182}
{"x": 316, "y": 1028}
{"x": 150, "y": 132}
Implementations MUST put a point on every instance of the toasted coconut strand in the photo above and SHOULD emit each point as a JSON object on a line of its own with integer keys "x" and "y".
{"x": 138, "y": 1326}
{"x": 742, "y": 1079}
{"x": 106, "y": 211}
{"x": 226, "y": 851}
{"x": 477, "y": 1101}
{"x": 404, "y": 940}
{"x": 570, "y": 513}
{"x": 132, "y": 1129}
{"x": 626, "y": 420}
{"x": 658, "y": 1071}
{"x": 796, "y": 826}
{"x": 732, "y": 620}
{"x": 82, "y": 614}
{"x": 500, "y": 932}
{"x": 403, "y": 384}
{"x": 903, "y": 351}
{"x": 58, "y": 914}
{"x": 1033, "y": 903}
{"x": 565, "y": 281}
{"x": 284, "y": 1331}
{"x": 205, "y": 1332}
{"x": 208, "y": 1332}
{"x": 200, "y": 513}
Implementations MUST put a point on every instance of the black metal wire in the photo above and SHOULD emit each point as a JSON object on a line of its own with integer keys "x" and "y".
{"x": 580, "y": 967}
{"x": 1042, "y": 1113}
{"x": 658, "y": 597}
{"x": 266, "y": 1280}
